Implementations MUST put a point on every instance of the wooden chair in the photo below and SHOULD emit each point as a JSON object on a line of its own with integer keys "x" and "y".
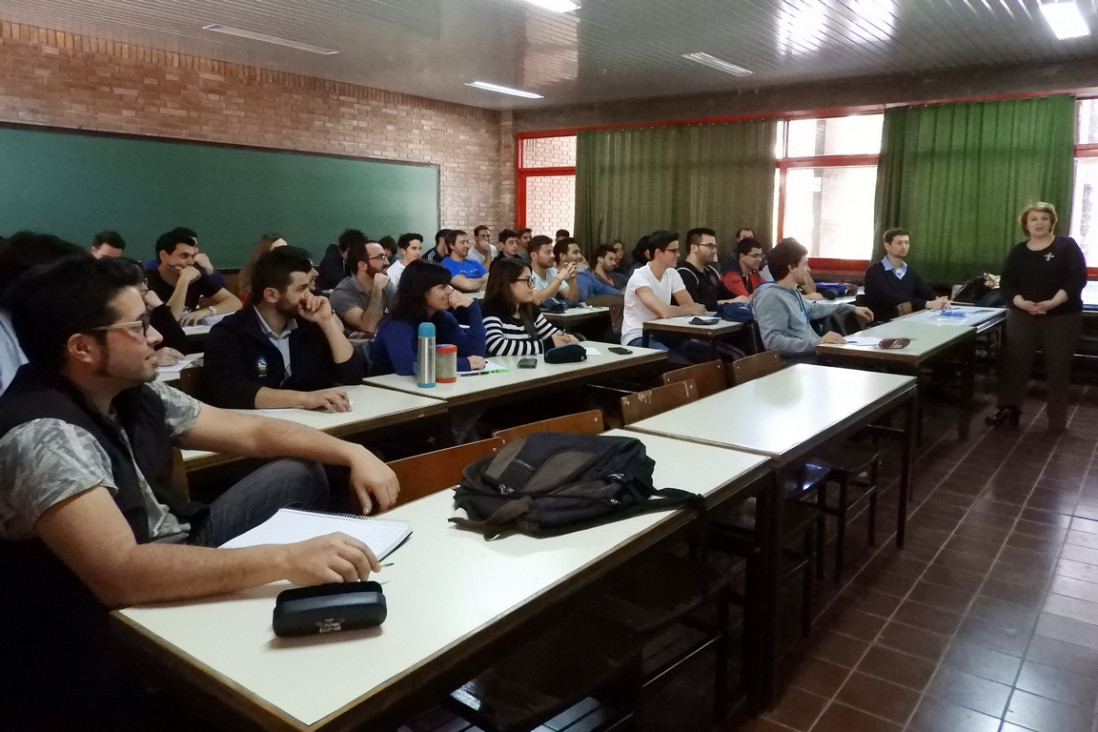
{"x": 644, "y": 404}
{"x": 709, "y": 377}
{"x": 752, "y": 367}
{"x": 432, "y": 472}
{"x": 581, "y": 423}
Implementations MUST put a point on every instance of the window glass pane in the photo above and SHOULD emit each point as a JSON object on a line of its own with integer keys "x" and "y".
{"x": 549, "y": 152}
{"x": 859, "y": 135}
{"x": 830, "y": 210}
{"x": 550, "y": 203}
{"x": 1084, "y": 208}
{"x": 1087, "y": 116}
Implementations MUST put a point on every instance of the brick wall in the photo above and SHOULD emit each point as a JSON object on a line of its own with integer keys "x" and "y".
{"x": 62, "y": 80}
{"x": 551, "y": 203}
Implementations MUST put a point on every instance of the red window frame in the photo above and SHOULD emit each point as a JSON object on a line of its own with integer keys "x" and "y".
{"x": 522, "y": 173}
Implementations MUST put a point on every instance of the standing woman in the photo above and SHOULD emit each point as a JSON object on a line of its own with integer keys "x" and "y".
{"x": 513, "y": 325}
{"x": 1042, "y": 281}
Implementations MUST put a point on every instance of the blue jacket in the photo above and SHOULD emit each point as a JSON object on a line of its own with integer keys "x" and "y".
{"x": 590, "y": 285}
{"x": 394, "y": 347}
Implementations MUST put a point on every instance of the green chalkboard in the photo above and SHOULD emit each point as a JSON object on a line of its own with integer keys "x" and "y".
{"x": 74, "y": 184}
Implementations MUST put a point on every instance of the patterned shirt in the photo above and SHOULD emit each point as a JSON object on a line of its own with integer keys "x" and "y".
{"x": 46, "y": 461}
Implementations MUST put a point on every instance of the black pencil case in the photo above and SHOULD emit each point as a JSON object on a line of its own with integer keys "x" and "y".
{"x": 328, "y": 608}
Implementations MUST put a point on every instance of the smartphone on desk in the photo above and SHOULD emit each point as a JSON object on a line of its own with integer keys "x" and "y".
{"x": 619, "y": 350}
{"x": 527, "y": 363}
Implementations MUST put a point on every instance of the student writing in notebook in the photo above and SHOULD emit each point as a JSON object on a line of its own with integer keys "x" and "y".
{"x": 88, "y": 519}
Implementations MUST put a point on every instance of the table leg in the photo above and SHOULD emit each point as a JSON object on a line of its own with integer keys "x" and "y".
{"x": 905, "y": 470}
{"x": 968, "y": 386}
{"x": 768, "y": 510}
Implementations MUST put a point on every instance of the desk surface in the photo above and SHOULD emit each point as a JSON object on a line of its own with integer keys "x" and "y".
{"x": 370, "y": 409}
{"x": 927, "y": 340}
{"x": 574, "y": 316}
{"x": 681, "y": 324}
{"x": 957, "y": 316}
{"x": 469, "y": 389}
{"x": 449, "y": 591}
{"x": 783, "y": 414}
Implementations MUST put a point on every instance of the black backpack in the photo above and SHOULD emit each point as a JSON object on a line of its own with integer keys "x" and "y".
{"x": 552, "y": 483}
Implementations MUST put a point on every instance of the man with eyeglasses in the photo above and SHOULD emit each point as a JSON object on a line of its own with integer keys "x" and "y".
{"x": 285, "y": 349}
{"x": 656, "y": 291}
{"x": 699, "y": 276}
{"x": 363, "y": 298}
{"x": 88, "y": 518}
{"x": 741, "y": 276}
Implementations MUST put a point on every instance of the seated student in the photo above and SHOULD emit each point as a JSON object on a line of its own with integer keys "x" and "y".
{"x": 441, "y": 250}
{"x": 598, "y": 280}
{"x": 890, "y": 282}
{"x": 468, "y": 275}
{"x": 699, "y": 276}
{"x": 639, "y": 256}
{"x": 509, "y": 245}
{"x": 548, "y": 280}
{"x": 333, "y": 265}
{"x": 561, "y": 235}
{"x": 389, "y": 244}
{"x": 425, "y": 295}
{"x": 181, "y": 283}
{"x": 88, "y": 519}
{"x": 201, "y": 259}
{"x": 619, "y": 273}
{"x": 483, "y": 250}
{"x": 784, "y": 316}
{"x": 741, "y": 273}
{"x": 107, "y": 243}
{"x": 173, "y": 343}
{"x": 807, "y": 288}
{"x": 411, "y": 248}
{"x": 362, "y": 298}
{"x": 267, "y": 242}
{"x": 653, "y": 288}
{"x": 524, "y": 237}
{"x": 513, "y": 325}
{"x": 285, "y": 349}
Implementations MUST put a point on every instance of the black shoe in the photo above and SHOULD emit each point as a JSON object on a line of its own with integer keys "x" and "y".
{"x": 1005, "y": 415}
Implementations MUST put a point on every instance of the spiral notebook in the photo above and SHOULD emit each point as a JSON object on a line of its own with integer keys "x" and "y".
{"x": 291, "y": 525}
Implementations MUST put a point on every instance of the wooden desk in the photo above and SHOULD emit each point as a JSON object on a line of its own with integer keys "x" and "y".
{"x": 492, "y": 386}
{"x": 455, "y": 602}
{"x": 574, "y": 317}
{"x": 982, "y": 319}
{"x": 680, "y": 325}
{"x": 371, "y": 409}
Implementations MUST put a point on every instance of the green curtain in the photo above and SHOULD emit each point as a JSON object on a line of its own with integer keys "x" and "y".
{"x": 957, "y": 175}
{"x": 631, "y": 182}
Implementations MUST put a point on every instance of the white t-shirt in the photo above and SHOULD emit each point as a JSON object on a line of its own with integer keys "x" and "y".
{"x": 636, "y": 312}
{"x": 396, "y": 269}
{"x": 478, "y": 257}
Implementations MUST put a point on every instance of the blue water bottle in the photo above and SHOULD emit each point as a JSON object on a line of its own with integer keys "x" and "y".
{"x": 425, "y": 355}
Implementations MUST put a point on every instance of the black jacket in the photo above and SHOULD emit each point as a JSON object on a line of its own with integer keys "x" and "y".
{"x": 240, "y": 360}
{"x": 331, "y": 270}
{"x": 884, "y": 291}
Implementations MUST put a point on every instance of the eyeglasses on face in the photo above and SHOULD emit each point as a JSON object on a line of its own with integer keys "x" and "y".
{"x": 143, "y": 323}
{"x": 528, "y": 280}
{"x": 378, "y": 256}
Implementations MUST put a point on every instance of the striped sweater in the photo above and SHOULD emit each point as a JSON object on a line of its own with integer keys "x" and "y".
{"x": 505, "y": 335}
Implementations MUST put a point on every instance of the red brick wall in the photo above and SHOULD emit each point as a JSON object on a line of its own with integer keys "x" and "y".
{"x": 61, "y": 80}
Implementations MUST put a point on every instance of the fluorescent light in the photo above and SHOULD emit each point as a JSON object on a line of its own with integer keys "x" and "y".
{"x": 719, "y": 64}
{"x": 487, "y": 86}
{"x": 557, "y": 6}
{"x": 254, "y": 36}
{"x": 1065, "y": 20}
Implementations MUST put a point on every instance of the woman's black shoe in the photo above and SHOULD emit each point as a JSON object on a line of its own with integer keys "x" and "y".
{"x": 1005, "y": 415}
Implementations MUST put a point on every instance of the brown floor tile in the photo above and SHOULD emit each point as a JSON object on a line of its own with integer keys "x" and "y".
{"x": 1021, "y": 575}
{"x": 1070, "y": 607}
{"x": 914, "y": 641}
{"x": 1028, "y": 542}
{"x": 1011, "y": 641}
{"x": 983, "y": 662}
{"x": 1028, "y": 595}
{"x": 972, "y": 692}
{"x": 1044, "y": 715}
{"x": 1063, "y": 655}
{"x": 1077, "y": 570}
{"x": 967, "y": 562}
{"x": 797, "y": 708}
{"x": 819, "y": 676}
{"x": 899, "y": 668}
{"x": 1068, "y": 630}
{"x": 938, "y": 715}
{"x": 1028, "y": 559}
{"x": 872, "y": 602}
{"x": 841, "y": 718}
{"x": 858, "y": 624}
{"x": 939, "y": 596}
{"x": 886, "y": 582}
{"x": 1058, "y": 685}
{"x": 928, "y": 618}
{"x": 756, "y": 725}
{"x": 878, "y": 697}
{"x": 1003, "y": 613}
{"x": 942, "y": 574}
{"x": 839, "y": 649}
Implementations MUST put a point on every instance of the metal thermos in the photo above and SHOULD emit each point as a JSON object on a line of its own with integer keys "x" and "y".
{"x": 425, "y": 355}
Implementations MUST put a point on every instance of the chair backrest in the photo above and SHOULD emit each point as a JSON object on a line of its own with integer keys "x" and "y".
{"x": 177, "y": 482}
{"x": 646, "y": 404}
{"x": 709, "y": 377}
{"x": 752, "y": 367}
{"x": 190, "y": 380}
{"x": 581, "y": 423}
{"x": 431, "y": 472}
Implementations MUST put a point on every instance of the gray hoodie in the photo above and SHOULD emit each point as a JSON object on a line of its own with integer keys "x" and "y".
{"x": 784, "y": 318}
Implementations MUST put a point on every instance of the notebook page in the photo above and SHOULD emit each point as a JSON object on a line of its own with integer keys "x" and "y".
{"x": 291, "y": 525}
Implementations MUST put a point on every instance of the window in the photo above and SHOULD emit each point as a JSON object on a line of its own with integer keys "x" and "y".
{"x": 827, "y": 178}
{"x": 1084, "y": 205}
{"x": 547, "y": 183}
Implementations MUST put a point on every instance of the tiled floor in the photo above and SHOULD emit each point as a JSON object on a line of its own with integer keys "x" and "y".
{"x": 988, "y": 620}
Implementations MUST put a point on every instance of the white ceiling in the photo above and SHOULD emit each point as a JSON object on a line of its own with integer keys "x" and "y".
{"x": 608, "y": 50}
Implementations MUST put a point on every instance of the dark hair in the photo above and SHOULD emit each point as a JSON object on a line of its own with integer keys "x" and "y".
{"x": 442, "y": 234}
{"x": 168, "y": 242}
{"x": 640, "y": 253}
{"x": 893, "y": 233}
{"x": 786, "y": 255}
{"x": 416, "y": 281}
{"x": 451, "y": 237}
{"x": 406, "y": 239}
{"x": 658, "y": 241}
{"x": 110, "y": 238}
{"x": 743, "y": 229}
{"x": 356, "y": 253}
{"x": 520, "y": 232}
{"x": 537, "y": 243}
{"x": 602, "y": 251}
{"x": 244, "y": 280}
{"x": 349, "y": 237}
{"x": 507, "y": 234}
{"x": 694, "y": 236}
{"x": 72, "y": 295}
{"x": 563, "y": 233}
{"x": 28, "y": 249}
{"x": 276, "y": 267}
{"x": 561, "y": 247}
{"x": 189, "y": 233}
{"x": 744, "y": 246}
{"x": 389, "y": 244}
{"x": 498, "y": 297}
{"x": 480, "y": 228}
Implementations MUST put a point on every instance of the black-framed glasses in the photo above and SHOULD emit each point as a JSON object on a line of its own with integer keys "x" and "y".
{"x": 143, "y": 323}
{"x": 528, "y": 280}
{"x": 378, "y": 256}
